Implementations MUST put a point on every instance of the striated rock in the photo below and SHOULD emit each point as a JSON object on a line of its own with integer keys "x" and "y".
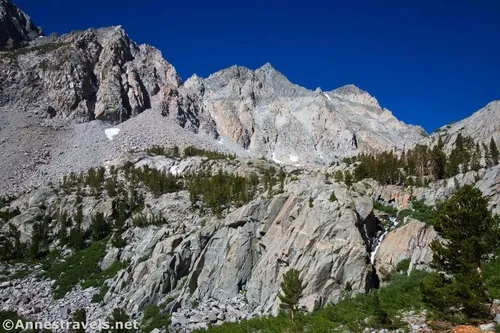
{"x": 16, "y": 27}
{"x": 264, "y": 112}
{"x": 410, "y": 241}
{"x": 270, "y": 116}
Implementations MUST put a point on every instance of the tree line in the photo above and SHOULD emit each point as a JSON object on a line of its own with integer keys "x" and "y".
{"x": 423, "y": 164}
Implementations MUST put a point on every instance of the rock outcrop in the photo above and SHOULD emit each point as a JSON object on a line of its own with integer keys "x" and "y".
{"x": 410, "y": 241}
{"x": 16, "y": 27}
{"x": 94, "y": 74}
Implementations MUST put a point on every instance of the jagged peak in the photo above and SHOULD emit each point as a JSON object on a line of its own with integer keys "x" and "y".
{"x": 355, "y": 94}
{"x": 16, "y": 27}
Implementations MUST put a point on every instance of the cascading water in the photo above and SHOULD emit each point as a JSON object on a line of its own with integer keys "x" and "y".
{"x": 378, "y": 241}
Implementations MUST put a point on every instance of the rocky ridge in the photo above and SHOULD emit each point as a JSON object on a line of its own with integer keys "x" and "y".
{"x": 16, "y": 27}
{"x": 271, "y": 117}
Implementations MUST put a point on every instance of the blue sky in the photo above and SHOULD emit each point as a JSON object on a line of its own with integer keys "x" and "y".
{"x": 429, "y": 62}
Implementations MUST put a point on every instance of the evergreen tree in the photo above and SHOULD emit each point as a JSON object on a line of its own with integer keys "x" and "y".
{"x": 292, "y": 288}
{"x": 100, "y": 227}
{"x": 11, "y": 247}
{"x": 470, "y": 235}
{"x": 438, "y": 160}
{"x": 494, "y": 152}
{"x": 78, "y": 321}
{"x": 76, "y": 239}
{"x": 39, "y": 246}
{"x": 348, "y": 178}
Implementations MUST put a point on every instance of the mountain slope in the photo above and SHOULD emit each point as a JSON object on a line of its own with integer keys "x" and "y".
{"x": 482, "y": 126}
{"x": 271, "y": 117}
{"x": 16, "y": 27}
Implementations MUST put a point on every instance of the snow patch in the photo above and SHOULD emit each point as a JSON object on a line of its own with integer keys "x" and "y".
{"x": 111, "y": 132}
{"x": 327, "y": 97}
{"x": 294, "y": 158}
{"x": 221, "y": 141}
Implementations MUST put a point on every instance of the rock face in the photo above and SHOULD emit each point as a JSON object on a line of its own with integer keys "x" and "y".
{"x": 95, "y": 74}
{"x": 411, "y": 241}
{"x": 270, "y": 116}
{"x": 16, "y": 27}
{"x": 248, "y": 251}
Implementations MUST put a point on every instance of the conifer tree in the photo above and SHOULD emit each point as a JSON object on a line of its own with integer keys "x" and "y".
{"x": 470, "y": 235}
{"x": 78, "y": 320}
{"x": 494, "y": 152}
{"x": 348, "y": 178}
{"x": 292, "y": 288}
{"x": 100, "y": 227}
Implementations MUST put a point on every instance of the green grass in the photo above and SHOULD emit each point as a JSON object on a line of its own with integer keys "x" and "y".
{"x": 82, "y": 267}
{"x": 380, "y": 308}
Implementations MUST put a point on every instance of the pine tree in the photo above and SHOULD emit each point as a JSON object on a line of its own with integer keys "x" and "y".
{"x": 39, "y": 240}
{"x": 438, "y": 160}
{"x": 78, "y": 321}
{"x": 292, "y": 288}
{"x": 348, "y": 178}
{"x": 100, "y": 227}
{"x": 494, "y": 152}
{"x": 470, "y": 235}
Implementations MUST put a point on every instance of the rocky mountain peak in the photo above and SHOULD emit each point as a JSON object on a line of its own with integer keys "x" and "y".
{"x": 16, "y": 27}
{"x": 354, "y": 94}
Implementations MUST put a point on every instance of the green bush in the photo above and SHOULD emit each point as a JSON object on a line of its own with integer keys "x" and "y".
{"x": 386, "y": 209}
{"x": 81, "y": 267}
{"x": 99, "y": 297}
{"x": 492, "y": 276}
{"x": 333, "y": 197}
{"x": 153, "y": 318}
{"x": 403, "y": 265}
{"x": 419, "y": 211}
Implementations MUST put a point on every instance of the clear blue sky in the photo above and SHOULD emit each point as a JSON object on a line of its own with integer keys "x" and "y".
{"x": 430, "y": 62}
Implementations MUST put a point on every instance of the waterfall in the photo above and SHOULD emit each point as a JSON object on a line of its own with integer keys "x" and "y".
{"x": 378, "y": 241}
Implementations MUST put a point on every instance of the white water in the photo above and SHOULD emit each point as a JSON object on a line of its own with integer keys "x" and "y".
{"x": 394, "y": 223}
